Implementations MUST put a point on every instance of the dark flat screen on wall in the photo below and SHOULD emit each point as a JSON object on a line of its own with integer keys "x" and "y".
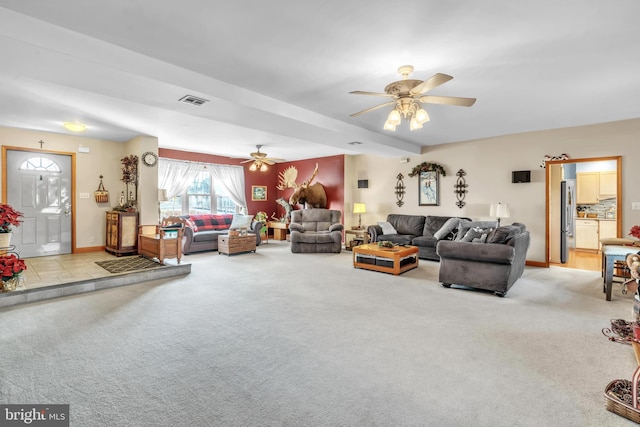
{"x": 520, "y": 176}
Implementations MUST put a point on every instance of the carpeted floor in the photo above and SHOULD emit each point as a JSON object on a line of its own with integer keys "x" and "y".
{"x": 281, "y": 339}
{"x": 125, "y": 264}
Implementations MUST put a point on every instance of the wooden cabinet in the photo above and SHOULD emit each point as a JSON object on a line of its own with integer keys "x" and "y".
{"x": 587, "y": 234}
{"x": 591, "y": 187}
{"x": 608, "y": 184}
{"x": 587, "y": 188}
{"x": 607, "y": 229}
{"x": 122, "y": 233}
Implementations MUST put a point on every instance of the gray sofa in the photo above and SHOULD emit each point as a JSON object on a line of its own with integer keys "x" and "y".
{"x": 208, "y": 227}
{"x": 494, "y": 266}
{"x": 417, "y": 230}
{"x": 316, "y": 230}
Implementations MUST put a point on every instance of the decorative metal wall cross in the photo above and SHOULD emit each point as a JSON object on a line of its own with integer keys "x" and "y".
{"x": 460, "y": 188}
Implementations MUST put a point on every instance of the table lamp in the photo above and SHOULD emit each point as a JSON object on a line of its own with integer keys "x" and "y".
{"x": 500, "y": 210}
{"x": 162, "y": 197}
{"x": 359, "y": 208}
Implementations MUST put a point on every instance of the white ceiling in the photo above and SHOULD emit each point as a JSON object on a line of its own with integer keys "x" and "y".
{"x": 278, "y": 73}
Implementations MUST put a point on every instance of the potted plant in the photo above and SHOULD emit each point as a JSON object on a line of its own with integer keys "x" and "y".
{"x": 11, "y": 267}
{"x": 9, "y": 218}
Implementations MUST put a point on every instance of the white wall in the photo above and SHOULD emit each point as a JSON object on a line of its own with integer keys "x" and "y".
{"x": 488, "y": 164}
{"x": 103, "y": 159}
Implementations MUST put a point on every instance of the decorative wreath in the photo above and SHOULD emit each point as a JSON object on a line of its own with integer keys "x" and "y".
{"x": 427, "y": 167}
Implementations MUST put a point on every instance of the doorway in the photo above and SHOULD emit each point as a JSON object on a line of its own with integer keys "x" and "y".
{"x": 596, "y": 211}
{"x": 39, "y": 184}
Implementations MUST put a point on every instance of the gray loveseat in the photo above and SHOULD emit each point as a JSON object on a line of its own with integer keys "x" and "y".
{"x": 422, "y": 231}
{"x": 494, "y": 266}
{"x": 316, "y": 230}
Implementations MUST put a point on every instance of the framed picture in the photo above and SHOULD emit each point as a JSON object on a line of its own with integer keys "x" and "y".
{"x": 258, "y": 193}
{"x": 428, "y": 189}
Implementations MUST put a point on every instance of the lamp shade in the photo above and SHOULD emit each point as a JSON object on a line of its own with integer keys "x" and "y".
{"x": 500, "y": 210}
{"x": 359, "y": 208}
{"x": 162, "y": 195}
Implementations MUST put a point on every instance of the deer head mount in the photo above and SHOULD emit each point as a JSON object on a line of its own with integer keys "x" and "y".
{"x": 310, "y": 195}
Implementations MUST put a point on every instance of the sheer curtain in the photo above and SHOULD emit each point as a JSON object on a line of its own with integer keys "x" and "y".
{"x": 175, "y": 176}
{"x": 232, "y": 179}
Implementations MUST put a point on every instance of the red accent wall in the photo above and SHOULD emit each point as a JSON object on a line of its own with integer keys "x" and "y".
{"x": 330, "y": 174}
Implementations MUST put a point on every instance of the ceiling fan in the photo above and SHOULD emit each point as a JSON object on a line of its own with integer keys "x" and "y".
{"x": 407, "y": 96}
{"x": 260, "y": 160}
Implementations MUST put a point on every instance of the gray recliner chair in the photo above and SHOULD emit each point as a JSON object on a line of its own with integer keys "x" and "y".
{"x": 316, "y": 230}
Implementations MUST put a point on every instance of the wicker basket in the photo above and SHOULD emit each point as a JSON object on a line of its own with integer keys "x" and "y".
{"x": 628, "y": 410}
{"x": 101, "y": 195}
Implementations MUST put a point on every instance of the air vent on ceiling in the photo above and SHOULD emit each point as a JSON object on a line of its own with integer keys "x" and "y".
{"x": 194, "y": 100}
{"x": 354, "y": 143}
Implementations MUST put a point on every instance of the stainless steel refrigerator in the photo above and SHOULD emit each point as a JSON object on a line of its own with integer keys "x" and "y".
{"x": 567, "y": 216}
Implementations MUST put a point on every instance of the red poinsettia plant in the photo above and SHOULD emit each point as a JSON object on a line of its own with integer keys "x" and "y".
{"x": 11, "y": 266}
{"x": 9, "y": 217}
{"x": 635, "y": 231}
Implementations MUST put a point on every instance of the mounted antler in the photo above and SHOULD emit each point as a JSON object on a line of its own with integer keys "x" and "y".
{"x": 310, "y": 195}
{"x": 288, "y": 178}
{"x": 315, "y": 173}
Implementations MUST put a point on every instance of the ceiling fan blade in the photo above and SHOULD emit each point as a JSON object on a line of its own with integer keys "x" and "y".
{"x": 373, "y": 108}
{"x": 248, "y": 160}
{"x": 361, "y": 92}
{"x": 447, "y": 100}
{"x": 431, "y": 83}
{"x": 274, "y": 159}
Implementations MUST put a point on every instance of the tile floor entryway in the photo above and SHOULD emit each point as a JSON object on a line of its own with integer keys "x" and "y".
{"x": 61, "y": 275}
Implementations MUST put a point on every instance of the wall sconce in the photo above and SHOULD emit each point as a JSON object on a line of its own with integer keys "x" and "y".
{"x": 400, "y": 189}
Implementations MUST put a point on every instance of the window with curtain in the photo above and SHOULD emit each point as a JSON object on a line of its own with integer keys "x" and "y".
{"x": 196, "y": 188}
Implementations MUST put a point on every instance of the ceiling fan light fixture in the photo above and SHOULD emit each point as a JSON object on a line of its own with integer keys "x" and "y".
{"x": 253, "y": 167}
{"x": 414, "y": 124}
{"x": 389, "y": 126}
{"x": 421, "y": 116}
{"x": 263, "y": 168}
{"x": 394, "y": 118}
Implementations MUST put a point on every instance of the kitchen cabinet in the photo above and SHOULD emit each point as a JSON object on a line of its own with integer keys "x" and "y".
{"x": 587, "y": 234}
{"x": 608, "y": 184}
{"x": 587, "y": 188}
{"x": 607, "y": 229}
{"x": 122, "y": 233}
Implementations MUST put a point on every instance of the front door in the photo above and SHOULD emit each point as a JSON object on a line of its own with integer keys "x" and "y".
{"x": 39, "y": 186}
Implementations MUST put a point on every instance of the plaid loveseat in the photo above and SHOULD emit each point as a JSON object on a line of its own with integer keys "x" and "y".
{"x": 201, "y": 231}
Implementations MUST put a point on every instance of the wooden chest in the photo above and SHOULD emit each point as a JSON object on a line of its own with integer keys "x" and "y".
{"x": 236, "y": 244}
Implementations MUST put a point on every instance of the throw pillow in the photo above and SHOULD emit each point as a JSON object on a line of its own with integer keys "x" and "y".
{"x": 241, "y": 221}
{"x": 502, "y": 234}
{"x": 447, "y": 227}
{"x": 476, "y": 234}
{"x": 465, "y": 225}
{"x": 387, "y": 228}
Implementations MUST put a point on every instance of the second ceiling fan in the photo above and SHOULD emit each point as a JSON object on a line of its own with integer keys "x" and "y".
{"x": 260, "y": 160}
{"x": 407, "y": 96}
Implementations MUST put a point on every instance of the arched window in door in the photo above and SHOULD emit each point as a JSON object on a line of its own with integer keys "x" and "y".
{"x": 40, "y": 164}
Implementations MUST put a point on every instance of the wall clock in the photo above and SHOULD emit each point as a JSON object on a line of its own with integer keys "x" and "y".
{"x": 149, "y": 158}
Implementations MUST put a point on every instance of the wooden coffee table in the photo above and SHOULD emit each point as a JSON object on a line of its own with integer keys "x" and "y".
{"x": 394, "y": 260}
